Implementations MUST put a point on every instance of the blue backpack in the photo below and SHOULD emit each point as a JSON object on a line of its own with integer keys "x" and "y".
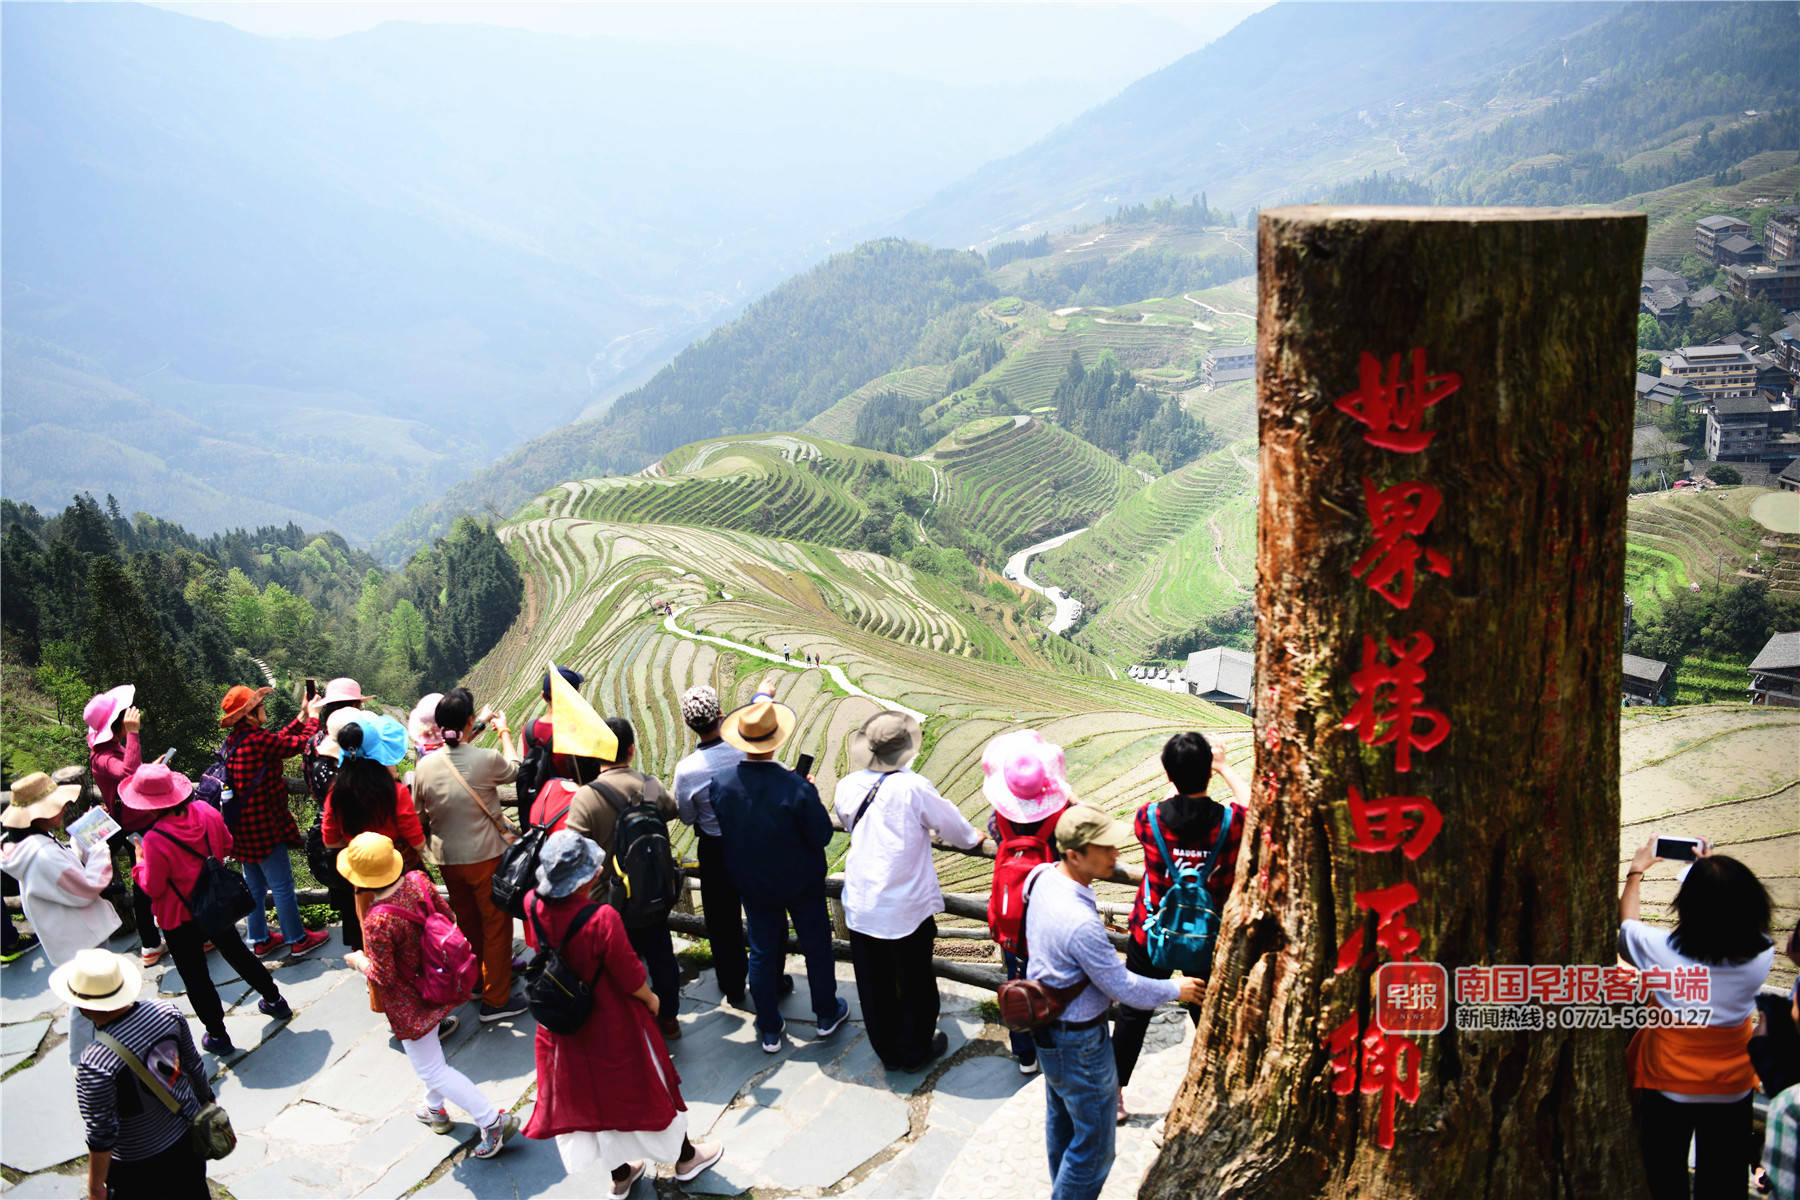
{"x": 1181, "y": 933}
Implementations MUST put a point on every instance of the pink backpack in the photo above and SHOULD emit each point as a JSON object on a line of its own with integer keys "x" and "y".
{"x": 450, "y": 965}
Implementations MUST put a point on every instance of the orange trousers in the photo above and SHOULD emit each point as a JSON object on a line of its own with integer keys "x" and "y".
{"x": 487, "y": 927}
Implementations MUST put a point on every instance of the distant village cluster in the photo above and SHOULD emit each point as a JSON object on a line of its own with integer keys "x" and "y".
{"x": 1744, "y": 383}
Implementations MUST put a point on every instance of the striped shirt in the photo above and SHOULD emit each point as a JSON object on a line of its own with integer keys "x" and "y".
{"x": 124, "y": 1116}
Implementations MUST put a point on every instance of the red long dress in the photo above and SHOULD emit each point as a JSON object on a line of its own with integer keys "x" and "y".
{"x": 614, "y": 1073}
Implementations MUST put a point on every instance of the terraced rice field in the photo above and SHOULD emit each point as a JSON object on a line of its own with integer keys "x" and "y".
{"x": 808, "y": 488}
{"x": 1149, "y": 568}
{"x": 1020, "y": 483}
{"x": 1036, "y": 364}
{"x": 1729, "y": 772}
{"x": 894, "y": 632}
{"x": 1674, "y": 538}
{"x": 918, "y": 383}
{"x": 1230, "y": 409}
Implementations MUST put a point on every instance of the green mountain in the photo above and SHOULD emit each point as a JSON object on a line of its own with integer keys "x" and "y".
{"x": 1484, "y": 102}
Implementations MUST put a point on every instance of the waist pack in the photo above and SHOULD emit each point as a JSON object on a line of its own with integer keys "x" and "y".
{"x": 647, "y": 881}
{"x": 1017, "y": 856}
{"x": 1027, "y": 1004}
{"x": 560, "y": 998}
{"x": 1181, "y": 934}
{"x": 220, "y": 896}
{"x": 517, "y": 872}
{"x": 449, "y": 967}
{"x": 209, "y": 1133}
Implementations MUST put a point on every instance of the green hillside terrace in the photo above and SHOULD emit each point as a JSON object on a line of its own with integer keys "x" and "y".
{"x": 1015, "y": 480}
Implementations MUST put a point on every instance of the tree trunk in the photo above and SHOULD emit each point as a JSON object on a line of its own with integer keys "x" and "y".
{"x": 1511, "y": 335}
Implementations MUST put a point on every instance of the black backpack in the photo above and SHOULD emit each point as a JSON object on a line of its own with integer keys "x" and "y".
{"x": 534, "y": 771}
{"x": 560, "y": 999}
{"x": 220, "y": 896}
{"x": 215, "y": 781}
{"x": 646, "y": 881}
{"x": 517, "y": 872}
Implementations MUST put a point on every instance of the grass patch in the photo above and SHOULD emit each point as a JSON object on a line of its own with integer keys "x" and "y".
{"x": 990, "y": 1011}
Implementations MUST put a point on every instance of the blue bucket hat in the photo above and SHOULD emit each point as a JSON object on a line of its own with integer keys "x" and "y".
{"x": 383, "y": 739}
{"x": 567, "y": 861}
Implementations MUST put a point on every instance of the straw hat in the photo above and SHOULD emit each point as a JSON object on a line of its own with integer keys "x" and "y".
{"x": 104, "y": 709}
{"x": 370, "y": 861}
{"x": 1025, "y": 779}
{"x": 35, "y": 797}
{"x": 759, "y": 728}
{"x": 98, "y": 980}
{"x": 886, "y": 742}
{"x": 238, "y": 703}
{"x": 155, "y": 787}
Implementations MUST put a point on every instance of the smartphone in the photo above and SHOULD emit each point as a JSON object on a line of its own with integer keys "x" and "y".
{"x": 803, "y": 765}
{"x": 168, "y": 756}
{"x": 1687, "y": 849}
{"x": 312, "y": 688}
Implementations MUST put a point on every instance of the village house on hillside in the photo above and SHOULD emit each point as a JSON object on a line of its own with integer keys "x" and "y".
{"x": 1710, "y": 231}
{"x": 1775, "y": 672}
{"x": 1776, "y": 283}
{"x": 1649, "y": 445}
{"x": 1783, "y": 233}
{"x": 1715, "y": 370}
{"x": 1789, "y": 480}
{"x": 1229, "y": 364}
{"x": 1645, "y": 681}
{"x": 1222, "y": 675}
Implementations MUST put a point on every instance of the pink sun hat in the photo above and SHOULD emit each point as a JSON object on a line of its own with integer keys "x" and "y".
{"x": 422, "y": 724}
{"x": 1025, "y": 776}
{"x": 343, "y": 690}
{"x": 104, "y": 709}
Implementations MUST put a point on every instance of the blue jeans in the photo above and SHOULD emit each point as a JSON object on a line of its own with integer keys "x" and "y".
{"x": 273, "y": 874}
{"x": 767, "y": 928}
{"x": 1081, "y": 1104}
{"x": 1023, "y": 1048}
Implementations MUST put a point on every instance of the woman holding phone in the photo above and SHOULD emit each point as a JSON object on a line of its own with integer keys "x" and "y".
{"x": 1693, "y": 1084}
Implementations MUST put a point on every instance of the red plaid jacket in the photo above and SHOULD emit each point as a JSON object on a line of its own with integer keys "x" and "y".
{"x": 254, "y": 768}
{"x": 1190, "y": 826}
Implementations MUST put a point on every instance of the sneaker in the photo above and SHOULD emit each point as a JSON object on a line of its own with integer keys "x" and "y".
{"x": 309, "y": 943}
{"x": 843, "y": 1014}
{"x": 940, "y": 1042}
{"x": 218, "y": 1044}
{"x": 671, "y": 1028}
{"x": 1029, "y": 1068}
{"x": 495, "y": 1135}
{"x": 149, "y": 955}
{"x": 262, "y": 949}
{"x": 27, "y": 943}
{"x": 623, "y": 1187}
{"x": 515, "y": 1004}
{"x": 276, "y": 1009}
{"x": 771, "y": 1042}
{"x": 437, "y": 1118}
{"x": 448, "y": 1026}
{"x": 706, "y": 1156}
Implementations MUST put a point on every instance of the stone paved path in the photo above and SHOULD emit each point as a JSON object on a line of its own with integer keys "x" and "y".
{"x": 323, "y": 1104}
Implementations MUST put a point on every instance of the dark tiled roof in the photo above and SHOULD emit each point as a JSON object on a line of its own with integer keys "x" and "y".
{"x": 1720, "y": 221}
{"x": 1647, "y": 670}
{"x": 1739, "y": 406}
{"x": 1782, "y": 650}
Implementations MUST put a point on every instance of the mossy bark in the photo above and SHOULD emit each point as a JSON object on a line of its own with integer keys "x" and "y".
{"x": 1536, "y": 311}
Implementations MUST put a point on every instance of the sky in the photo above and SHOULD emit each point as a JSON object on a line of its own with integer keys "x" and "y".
{"x": 1099, "y": 48}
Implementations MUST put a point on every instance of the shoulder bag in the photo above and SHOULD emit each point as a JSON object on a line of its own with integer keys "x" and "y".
{"x": 1027, "y": 1004}
{"x": 209, "y": 1133}
{"x": 507, "y": 833}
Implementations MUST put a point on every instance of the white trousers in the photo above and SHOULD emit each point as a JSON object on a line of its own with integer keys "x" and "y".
{"x": 444, "y": 1082}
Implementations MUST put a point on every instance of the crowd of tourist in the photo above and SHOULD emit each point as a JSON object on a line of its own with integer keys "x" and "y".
{"x": 585, "y": 863}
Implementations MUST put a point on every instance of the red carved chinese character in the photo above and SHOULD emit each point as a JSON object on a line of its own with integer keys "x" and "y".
{"x": 1399, "y": 514}
{"x": 1406, "y": 823}
{"x": 1392, "y": 933}
{"x": 1390, "y": 1066}
{"x": 1341, "y": 1042}
{"x": 1393, "y": 408}
{"x": 1404, "y": 677}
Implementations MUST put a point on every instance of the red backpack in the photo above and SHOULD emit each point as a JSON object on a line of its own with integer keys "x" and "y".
{"x": 1019, "y": 852}
{"x": 449, "y": 962}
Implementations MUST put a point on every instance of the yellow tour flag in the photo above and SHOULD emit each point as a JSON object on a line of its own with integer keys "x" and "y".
{"x": 576, "y": 728}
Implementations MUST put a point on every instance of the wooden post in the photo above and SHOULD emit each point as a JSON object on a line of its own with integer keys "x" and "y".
{"x": 1445, "y": 411}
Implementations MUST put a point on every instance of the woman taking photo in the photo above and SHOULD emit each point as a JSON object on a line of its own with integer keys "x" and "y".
{"x": 59, "y": 887}
{"x": 114, "y": 755}
{"x": 608, "y": 1092}
{"x": 1693, "y": 1084}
